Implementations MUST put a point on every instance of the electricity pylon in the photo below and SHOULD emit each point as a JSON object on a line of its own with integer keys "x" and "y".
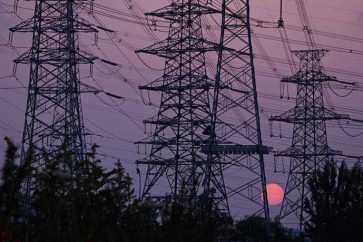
{"x": 53, "y": 115}
{"x": 207, "y": 126}
{"x": 181, "y": 125}
{"x": 309, "y": 149}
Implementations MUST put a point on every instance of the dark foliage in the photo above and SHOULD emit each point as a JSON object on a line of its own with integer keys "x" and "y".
{"x": 80, "y": 202}
{"x": 10, "y": 211}
{"x": 252, "y": 229}
{"x": 84, "y": 202}
{"x": 187, "y": 220}
{"x": 336, "y": 204}
{"x": 69, "y": 202}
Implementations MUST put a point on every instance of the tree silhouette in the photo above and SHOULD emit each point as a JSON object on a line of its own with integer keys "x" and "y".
{"x": 10, "y": 211}
{"x": 252, "y": 229}
{"x": 79, "y": 201}
{"x": 335, "y": 206}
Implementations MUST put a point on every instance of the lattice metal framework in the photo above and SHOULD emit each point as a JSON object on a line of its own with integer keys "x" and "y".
{"x": 206, "y": 126}
{"x": 309, "y": 149}
{"x": 53, "y": 114}
{"x": 181, "y": 125}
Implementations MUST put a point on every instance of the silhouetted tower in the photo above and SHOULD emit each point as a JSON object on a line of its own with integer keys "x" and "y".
{"x": 184, "y": 117}
{"x": 309, "y": 150}
{"x": 53, "y": 115}
{"x": 207, "y": 126}
{"x": 235, "y": 131}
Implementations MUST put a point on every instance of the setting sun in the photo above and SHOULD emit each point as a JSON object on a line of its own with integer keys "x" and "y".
{"x": 275, "y": 194}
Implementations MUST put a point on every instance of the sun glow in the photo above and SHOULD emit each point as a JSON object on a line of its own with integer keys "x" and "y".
{"x": 275, "y": 194}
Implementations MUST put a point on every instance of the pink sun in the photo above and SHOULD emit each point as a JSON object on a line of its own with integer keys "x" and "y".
{"x": 275, "y": 194}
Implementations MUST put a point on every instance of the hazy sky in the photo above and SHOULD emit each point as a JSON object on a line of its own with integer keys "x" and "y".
{"x": 117, "y": 124}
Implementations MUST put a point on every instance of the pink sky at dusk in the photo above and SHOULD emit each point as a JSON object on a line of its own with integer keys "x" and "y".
{"x": 117, "y": 124}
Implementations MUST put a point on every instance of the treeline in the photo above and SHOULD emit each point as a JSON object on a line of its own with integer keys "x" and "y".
{"x": 92, "y": 205}
{"x": 97, "y": 204}
{"x": 85, "y": 202}
{"x": 335, "y": 205}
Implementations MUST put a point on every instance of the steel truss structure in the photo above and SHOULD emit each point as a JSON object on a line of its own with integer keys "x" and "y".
{"x": 53, "y": 117}
{"x": 206, "y": 145}
{"x": 309, "y": 149}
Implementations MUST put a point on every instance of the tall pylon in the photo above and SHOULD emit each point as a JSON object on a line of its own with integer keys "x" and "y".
{"x": 309, "y": 149}
{"x": 53, "y": 115}
{"x": 236, "y": 124}
{"x": 206, "y": 126}
{"x": 181, "y": 125}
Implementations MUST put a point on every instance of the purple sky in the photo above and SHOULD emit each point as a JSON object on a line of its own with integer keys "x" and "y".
{"x": 117, "y": 124}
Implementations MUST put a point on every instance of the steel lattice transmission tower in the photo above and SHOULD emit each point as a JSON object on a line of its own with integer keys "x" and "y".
{"x": 207, "y": 125}
{"x": 309, "y": 149}
{"x": 53, "y": 115}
